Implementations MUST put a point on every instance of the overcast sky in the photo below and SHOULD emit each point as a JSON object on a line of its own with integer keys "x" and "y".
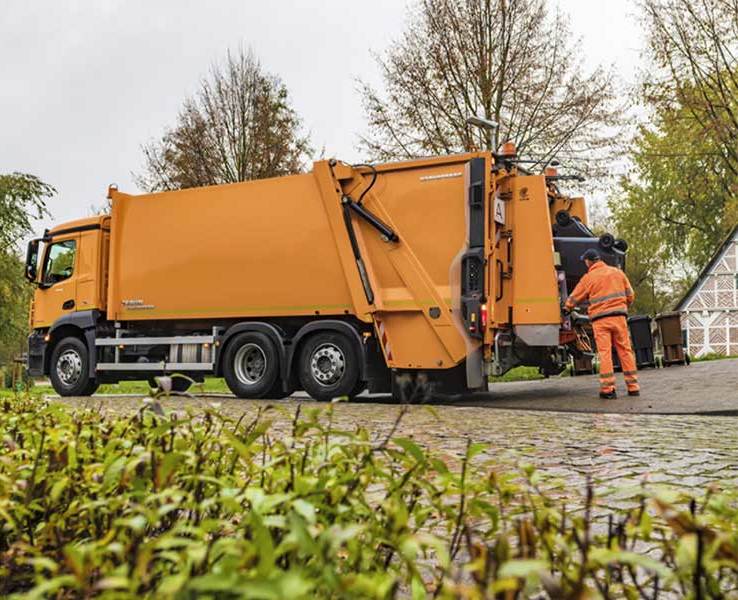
{"x": 83, "y": 83}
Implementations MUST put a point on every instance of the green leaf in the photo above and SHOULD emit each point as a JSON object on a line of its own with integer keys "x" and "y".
{"x": 604, "y": 557}
{"x": 113, "y": 473}
{"x": 58, "y": 489}
{"x": 50, "y": 587}
{"x": 305, "y": 509}
{"x": 172, "y": 584}
{"x": 167, "y": 466}
{"x": 522, "y": 568}
{"x": 418, "y": 589}
{"x": 113, "y": 583}
{"x": 295, "y": 585}
{"x": 411, "y": 448}
{"x": 475, "y": 449}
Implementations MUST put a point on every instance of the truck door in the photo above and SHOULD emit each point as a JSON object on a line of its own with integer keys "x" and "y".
{"x": 57, "y": 291}
{"x": 86, "y": 273}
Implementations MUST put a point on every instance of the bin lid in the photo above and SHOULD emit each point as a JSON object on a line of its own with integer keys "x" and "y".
{"x": 639, "y": 318}
{"x": 668, "y": 315}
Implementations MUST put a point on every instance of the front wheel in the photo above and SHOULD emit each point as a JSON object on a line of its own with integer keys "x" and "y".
{"x": 329, "y": 366}
{"x": 69, "y": 368}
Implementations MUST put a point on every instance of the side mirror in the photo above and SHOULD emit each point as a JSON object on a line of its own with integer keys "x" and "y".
{"x": 31, "y": 261}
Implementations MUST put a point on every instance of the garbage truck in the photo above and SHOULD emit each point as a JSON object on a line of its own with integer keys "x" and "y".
{"x": 444, "y": 271}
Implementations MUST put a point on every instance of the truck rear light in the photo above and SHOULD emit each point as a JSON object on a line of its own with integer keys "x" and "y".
{"x": 483, "y": 315}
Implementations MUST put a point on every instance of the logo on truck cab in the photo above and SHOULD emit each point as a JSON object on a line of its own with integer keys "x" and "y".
{"x": 136, "y": 305}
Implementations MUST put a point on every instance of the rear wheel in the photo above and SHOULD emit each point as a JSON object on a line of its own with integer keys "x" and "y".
{"x": 358, "y": 388}
{"x": 329, "y": 366}
{"x": 251, "y": 365}
{"x": 91, "y": 387}
{"x": 69, "y": 368}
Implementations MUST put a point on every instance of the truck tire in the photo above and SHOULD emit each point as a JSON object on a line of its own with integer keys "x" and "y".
{"x": 250, "y": 365}
{"x": 69, "y": 368}
{"x": 329, "y": 366}
{"x": 91, "y": 387}
{"x": 277, "y": 392}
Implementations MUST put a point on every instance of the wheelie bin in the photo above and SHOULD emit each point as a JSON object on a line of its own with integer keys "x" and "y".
{"x": 642, "y": 341}
{"x": 583, "y": 365}
{"x": 672, "y": 342}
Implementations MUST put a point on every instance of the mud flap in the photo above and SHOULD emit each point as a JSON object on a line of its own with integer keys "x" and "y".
{"x": 475, "y": 370}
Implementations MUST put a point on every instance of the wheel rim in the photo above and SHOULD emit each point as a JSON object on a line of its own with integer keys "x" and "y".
{"x": 327, "y": 364}
{"x": 250, "y": 364}
{"x": 69, "y": 367}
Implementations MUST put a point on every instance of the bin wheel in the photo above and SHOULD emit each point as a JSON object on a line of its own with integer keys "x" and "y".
{"x": 607, "y": 241}
{"x": 563, "y": 218}
{"x": 69, "y": 368}
{"x": 329, "y": 366}
{"x": 687, "y": 359}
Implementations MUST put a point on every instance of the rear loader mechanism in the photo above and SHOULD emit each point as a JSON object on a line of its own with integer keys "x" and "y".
{"x": 540, "y": 237}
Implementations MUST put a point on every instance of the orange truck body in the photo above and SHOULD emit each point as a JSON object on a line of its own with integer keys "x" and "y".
{"x": 440, "y": 266}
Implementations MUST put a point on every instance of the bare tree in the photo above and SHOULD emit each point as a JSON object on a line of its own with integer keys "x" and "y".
{"x": 506, "y": 60}
{"x": 239, "y": 126}
{"x": 694, "y": 48}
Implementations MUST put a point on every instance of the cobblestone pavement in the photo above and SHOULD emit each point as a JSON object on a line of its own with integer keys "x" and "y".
{"x": 701, "y": 388}
{"x": 617, "y": 444}
{"x": 615, "y": 450}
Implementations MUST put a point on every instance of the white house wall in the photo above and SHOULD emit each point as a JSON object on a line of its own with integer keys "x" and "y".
{"x": 711, "y": 312}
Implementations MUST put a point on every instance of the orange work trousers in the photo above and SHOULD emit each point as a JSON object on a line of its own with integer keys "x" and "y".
{"x": 609, "y": 332}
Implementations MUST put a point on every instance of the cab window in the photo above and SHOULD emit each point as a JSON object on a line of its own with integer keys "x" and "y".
{"x": 59, "y": 263}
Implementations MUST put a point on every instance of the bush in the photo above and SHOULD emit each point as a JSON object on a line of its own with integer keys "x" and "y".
{"x": 180, "y": 505}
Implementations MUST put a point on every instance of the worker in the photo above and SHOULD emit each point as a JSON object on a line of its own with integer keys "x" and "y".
{"x": 608, "y": 294}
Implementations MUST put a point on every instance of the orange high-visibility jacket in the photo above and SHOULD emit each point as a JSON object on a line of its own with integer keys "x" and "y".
{"x": 605, "y": 290}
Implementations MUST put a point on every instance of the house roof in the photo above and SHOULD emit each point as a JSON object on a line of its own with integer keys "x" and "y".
{"x": 721, "y": 249}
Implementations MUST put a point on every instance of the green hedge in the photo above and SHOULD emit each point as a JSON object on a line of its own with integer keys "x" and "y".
{"x": 174, "y": 505}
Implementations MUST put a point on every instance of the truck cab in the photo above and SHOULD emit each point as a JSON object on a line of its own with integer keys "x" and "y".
{"x": 68, "y": 267}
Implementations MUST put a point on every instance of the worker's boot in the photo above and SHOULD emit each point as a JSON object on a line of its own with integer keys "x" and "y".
{"x": 608, "y": 395}
{"x": 631, "y": 381}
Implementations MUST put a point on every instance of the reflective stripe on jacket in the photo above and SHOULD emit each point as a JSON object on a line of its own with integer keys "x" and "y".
{"x": 604, "y": 289}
